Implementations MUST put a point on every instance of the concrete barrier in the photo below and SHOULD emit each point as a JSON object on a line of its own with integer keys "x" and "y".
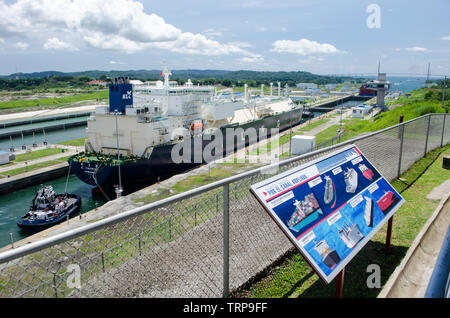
{"x": 35, "y": 177}
{"x": 27, "y": 132}
{"x": 410, "y": 279}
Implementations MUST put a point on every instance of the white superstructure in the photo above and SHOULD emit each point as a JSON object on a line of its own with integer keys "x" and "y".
{"x": 163, "y": 113}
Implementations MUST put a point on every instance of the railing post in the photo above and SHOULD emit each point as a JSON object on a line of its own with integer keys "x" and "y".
{"x": 217, "y": 203}
{"x": 401, "y": 134}
{"x": 139, "y": 244}
{"x": 226, "y": 238}
{"x": 443, "y": 131}
{"x": 170, "y": 229}
{"x": 12, "y": 239}
{"x": 428, "y": 132}
{"x": 54, "y": 285}
{"x": 195, "y": 214}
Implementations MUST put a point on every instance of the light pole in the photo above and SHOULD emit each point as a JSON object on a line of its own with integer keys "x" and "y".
{"x": 118, "y": 189}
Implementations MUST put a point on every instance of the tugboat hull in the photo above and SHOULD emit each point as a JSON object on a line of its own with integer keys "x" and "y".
{"x": 38, "y": 224}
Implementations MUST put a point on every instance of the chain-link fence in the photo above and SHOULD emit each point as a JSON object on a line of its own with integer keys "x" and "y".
{"x": 205, "y": 242}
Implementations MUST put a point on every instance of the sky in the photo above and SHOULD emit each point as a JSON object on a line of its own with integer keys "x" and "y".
{"x": 318, "y": 36}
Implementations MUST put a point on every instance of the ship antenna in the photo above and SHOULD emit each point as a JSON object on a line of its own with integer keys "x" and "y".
{"x": 166, "y": 74}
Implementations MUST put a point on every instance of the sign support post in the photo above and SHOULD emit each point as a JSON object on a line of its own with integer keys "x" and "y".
{"x": 340, "y": 283}
{"x": 388, "y": 235}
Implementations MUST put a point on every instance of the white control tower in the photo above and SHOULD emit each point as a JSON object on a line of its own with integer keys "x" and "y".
{"x": 381, "y": 85}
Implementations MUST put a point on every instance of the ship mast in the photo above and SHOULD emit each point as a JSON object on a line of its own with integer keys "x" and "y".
{"x": 166, "y": 73}
{"x": 119, "y": 189}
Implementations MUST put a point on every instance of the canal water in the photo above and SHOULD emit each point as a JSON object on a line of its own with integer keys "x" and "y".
{"x": 16, "y": 204}
{"x": 43, "y": 124}
{"x": 52, "y": 137}
{"x": 349, "y": 103}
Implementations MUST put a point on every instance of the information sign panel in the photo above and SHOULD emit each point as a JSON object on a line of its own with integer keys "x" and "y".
{"x": 329, "y": 208}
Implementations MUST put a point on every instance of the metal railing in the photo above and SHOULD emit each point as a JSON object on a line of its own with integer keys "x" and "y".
{"x": 204, "y": 242}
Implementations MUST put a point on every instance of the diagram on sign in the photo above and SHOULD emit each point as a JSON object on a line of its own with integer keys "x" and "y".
{"x": 329, "y": 208}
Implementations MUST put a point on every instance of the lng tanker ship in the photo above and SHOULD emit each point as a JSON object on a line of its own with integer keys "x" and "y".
{"x": 146, "y": 128}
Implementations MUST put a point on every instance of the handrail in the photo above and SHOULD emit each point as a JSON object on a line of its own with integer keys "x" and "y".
{"x": 62, "y": 237}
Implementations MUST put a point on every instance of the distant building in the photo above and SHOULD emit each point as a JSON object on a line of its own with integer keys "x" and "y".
{"x": 306, "y": 85}
{"x": 4, "y": 157}
{"x": 393, "y": 95}
{"x": 345, "y": 89}
{"x": 330, "y": 86}
{"x": 302, "y": 144}
{"x": 96, "y": 82}
{"x": 299, "y": 98}
{"x": 136, "y": 82}
{"x": 361, "y": 110}
{"x": 313, "y": 91}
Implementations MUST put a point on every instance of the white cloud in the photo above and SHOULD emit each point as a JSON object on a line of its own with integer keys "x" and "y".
{"x": 303, "y": 47}
{"x": 58, "y": 45}
{"x": 117, "y": 25}
{"x": 311, "y": 60}
{"x": 253, "y": 59}
{"x": 212, "y": 32}
{"x": 189, "y": 43}
{"x": 416, "y": 49}
{"x": 241, "y": 44}
{"x": 250, "y": 4}
{"x": 116, "y": 63}
{"x": 445, "y": 38}
{"x": 21, "y": 45}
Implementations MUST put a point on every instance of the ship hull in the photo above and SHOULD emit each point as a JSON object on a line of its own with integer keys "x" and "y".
{"x": 331, "y": 259}
{"x": 308, "y": 220}
{"x": 160, "y": 164}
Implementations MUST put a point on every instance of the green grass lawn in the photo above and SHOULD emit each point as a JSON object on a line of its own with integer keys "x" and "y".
{"x": 14, "y": 172}
{"x": 314, "y": 124}
{"x": 74, "y": 142}
{"x": 286, "y": 138}
{"x": 293, "y": 277}
{"x": 37, "y": 154}
{"x": 56, "y": 101}
{"x": 31, "y": 167}
{"x": 327, "y": 134}
{"x": 225, "y": 170}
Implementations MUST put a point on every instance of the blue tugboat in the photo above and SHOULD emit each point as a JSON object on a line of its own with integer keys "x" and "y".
{"x": 49, "y": 208}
